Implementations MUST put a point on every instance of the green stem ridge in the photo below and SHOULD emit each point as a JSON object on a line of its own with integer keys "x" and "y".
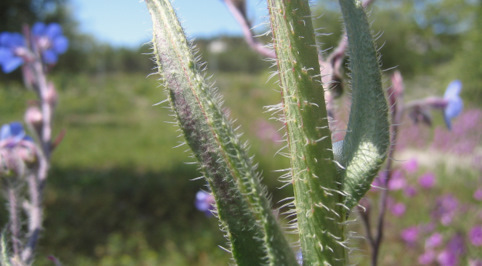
{"x": 317, "y": 187}
{"x": 367, "y": 139}
{"x": 242, "y": 206}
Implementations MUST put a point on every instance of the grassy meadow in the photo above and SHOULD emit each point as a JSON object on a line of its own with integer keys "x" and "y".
{"x": 119, "y": 193}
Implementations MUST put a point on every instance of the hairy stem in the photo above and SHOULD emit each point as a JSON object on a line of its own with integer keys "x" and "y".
{"x": 13, "y": 212}
{"x": 242, "y": 206}
{"x": 315, "y": 183}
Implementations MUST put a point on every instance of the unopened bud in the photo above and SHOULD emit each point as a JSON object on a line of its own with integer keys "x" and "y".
{"x": 33, "y": 117}
{"x": 51, "y": 95}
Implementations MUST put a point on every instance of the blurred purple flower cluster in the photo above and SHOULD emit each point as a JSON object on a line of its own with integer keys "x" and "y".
{"x": 47, "y": 40}
{"x": 453, "y": 233}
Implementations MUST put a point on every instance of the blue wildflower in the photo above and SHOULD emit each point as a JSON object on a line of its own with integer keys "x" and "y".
{"x": 299, "y": 257}
{"x": 50, "y": 40}
{"x": 11, "y": 47}
{"x": 12, "y": 135}
{"x": 454, "y": 102}
{"x": 204, "y": 202}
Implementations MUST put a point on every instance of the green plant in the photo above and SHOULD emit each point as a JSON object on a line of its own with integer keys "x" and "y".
{"x": 328, "y": 179}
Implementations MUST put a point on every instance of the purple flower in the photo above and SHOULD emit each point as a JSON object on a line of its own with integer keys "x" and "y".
{"x": 398, "y": 209}
{"x": 397, "y": 181}
{"x": 410, "y": 191}
{"x": 445, "y": 209}
{"x": 410, "y": 235}
{"x": 427, "y": 180}
{"x": 475, "y": 235}
{"x": 434, "y": 240}
{"x": 478, "y": 194}
{"x": 411, "y": 166}
{"x": 12, "y": 46}
{"x": 12, "y": 135}
{"x": 454, "y": 102}
{"x": 204, "y": 202}
{"x": 426, "y": 258}
{"x": 447, "y": 258}
{"x": 457, "y": 244}
{"x": 51, "y": 41}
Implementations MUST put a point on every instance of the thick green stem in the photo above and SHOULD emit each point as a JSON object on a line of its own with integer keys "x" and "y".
{"x": 316, "y": 185}
{"x": 241, "y": 201}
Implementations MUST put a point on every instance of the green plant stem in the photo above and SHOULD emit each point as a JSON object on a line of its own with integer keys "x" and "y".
{"x": 242, "y": 206}
{"x": 315, "y": 182}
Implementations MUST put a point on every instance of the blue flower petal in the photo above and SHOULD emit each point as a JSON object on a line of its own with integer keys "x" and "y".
{"x": 4, "y": 38}
{"x": 453, "y": 89}
{"x": 5, "y": 132}
{"x": 60, "y": 44}
{"x": 11, "y": 64}
{"x": 27, "y": 138}
{"x": 16, "y": 130}
{"x": 53, "y": 30}
{"x": 17, "y": 40}
{"x": 38, "y": 29}
{"x": 455, "y": 104}
{"x": 12, "y": 130}
{"x": 5, "y": 54}
{"x": 454, "y": 108}
{"x": 50, "y": 56}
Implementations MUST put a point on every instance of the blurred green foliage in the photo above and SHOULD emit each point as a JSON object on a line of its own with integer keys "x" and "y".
{"x": 118, "y": 192}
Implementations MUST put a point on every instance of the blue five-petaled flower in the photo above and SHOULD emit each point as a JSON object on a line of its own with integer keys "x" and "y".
{"x": 454, "y": 102}
{"x": 51, "y": 41}
{"x": 11, "y": 45}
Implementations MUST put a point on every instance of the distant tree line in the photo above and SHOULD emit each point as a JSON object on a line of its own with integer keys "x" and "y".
{"x": 417, "y": 36}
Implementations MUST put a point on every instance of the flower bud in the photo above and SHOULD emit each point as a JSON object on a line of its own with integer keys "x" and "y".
{"x": 51, "y": 95}
{"x": 33, "y": 117}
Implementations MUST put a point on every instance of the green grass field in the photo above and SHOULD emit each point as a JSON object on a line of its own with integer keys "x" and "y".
{"x": 119, "y": 193}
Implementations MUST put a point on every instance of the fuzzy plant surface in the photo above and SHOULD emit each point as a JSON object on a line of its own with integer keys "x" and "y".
{"x": 328, "y": 179}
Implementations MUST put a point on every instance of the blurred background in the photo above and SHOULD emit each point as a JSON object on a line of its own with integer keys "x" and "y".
{"x": 119, "y": 193}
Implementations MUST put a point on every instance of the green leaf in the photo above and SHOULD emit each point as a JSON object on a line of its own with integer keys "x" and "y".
{"x": 367, "y": 138}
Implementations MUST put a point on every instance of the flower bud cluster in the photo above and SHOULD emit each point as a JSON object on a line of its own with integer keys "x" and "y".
{"x": 18, "y": 152}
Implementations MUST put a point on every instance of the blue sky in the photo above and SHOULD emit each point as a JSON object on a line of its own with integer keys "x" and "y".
{"x": 127, "y": 22}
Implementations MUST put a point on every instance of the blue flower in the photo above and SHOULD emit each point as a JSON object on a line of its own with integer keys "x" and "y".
{"x": 10, "y": 46}
{"x": 204, "y": 202}
{"x": 12, "y": 135}
{"x": 454, "y": 102}
{"x": 51, "y": 41}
